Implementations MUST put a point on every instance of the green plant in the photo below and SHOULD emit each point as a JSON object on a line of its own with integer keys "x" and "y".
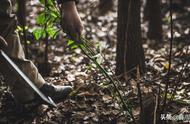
{"x": 84, "y": 45}
{"x": 47, "y": 21}
{"x": 49, "y": 27}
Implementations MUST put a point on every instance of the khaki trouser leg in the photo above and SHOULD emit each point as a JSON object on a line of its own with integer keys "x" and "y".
{"x": 20, "y": 89}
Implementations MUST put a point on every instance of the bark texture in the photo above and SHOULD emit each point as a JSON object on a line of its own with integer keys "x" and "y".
{"x": 130, "y": 54}
{"x": 153, "y": 13}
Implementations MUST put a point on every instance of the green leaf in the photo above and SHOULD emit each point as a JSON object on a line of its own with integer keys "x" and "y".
{"x": 54, "y": 12}
{"x": 49, "y": 2}
{"x": 74, "y": 47}
{"x": 19, "y": 28}
{"x": 39, "y": 33}
{"x": 41, "y": 19}
{"x": 70, "y": 42}
{"x": 42, "y": 1}
{"x": 52, "y": 32}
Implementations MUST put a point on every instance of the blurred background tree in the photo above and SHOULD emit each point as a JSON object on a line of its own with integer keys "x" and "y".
{"x": 152, "y": 13}
{"x": 130, "y": 53}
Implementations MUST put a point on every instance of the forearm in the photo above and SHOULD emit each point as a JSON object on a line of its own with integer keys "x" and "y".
{"x": 64, "y": 1}
{"x": 68, "y": 6}
{"x": 72, "y": 23}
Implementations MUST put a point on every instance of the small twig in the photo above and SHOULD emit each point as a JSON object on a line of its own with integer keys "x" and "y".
{"x": 156, "y": 105}
{"x": 139, "y": 93}
{"x": 46, "y": 38}
{"x": 170, "y": 57}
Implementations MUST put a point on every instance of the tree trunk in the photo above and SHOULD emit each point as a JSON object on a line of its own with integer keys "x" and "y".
{"x": 153, "y": 13}
{"x": 21, "y": 14}
{"x": 121, "y": 39}
{"x": 130, "y": 53}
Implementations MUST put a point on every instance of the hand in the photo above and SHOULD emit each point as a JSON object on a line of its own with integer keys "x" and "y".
{"x": 3, "y": 43}
{"x": 71, "y": 21}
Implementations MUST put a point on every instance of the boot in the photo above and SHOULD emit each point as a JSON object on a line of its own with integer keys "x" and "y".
{"x": 57, "y": 93}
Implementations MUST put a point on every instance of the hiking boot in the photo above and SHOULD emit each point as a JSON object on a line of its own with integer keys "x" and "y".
{"x": 57, "y": 93}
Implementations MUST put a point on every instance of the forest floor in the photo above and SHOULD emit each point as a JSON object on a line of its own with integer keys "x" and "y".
{"x": 94, "y": 102}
